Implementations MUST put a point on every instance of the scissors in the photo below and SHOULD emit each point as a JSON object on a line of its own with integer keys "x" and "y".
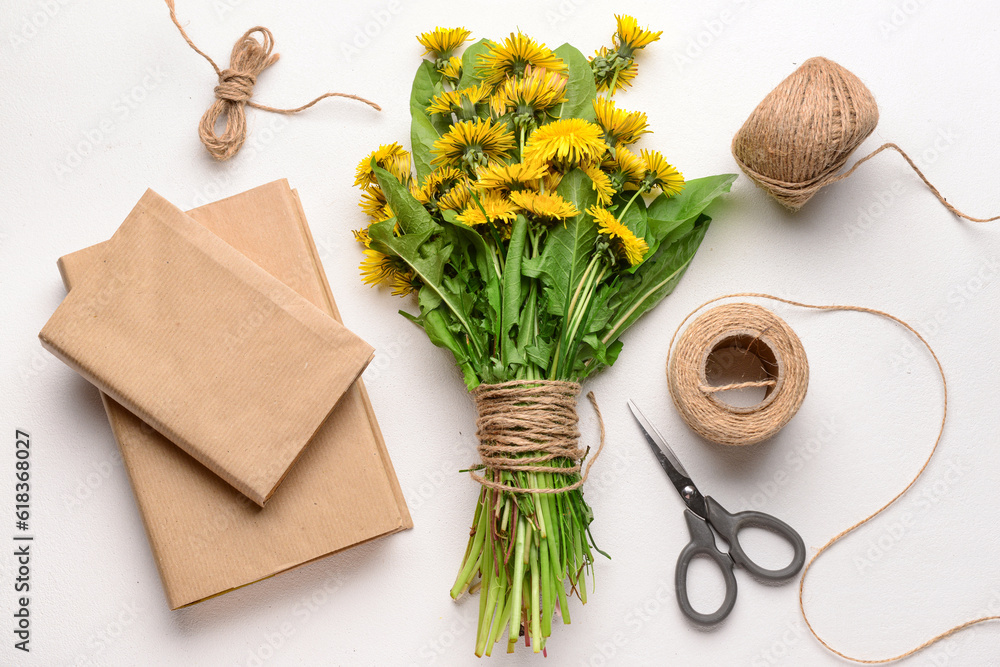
{"x": 704, "y": 514}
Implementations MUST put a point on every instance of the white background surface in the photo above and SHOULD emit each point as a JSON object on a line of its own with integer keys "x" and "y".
{"x": 864, "y": 429}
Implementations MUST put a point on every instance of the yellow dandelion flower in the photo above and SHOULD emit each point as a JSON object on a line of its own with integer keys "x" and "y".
{"x": 660, "y": 173}
{"x": 377, "y": 268}
{"x": 445, "y": 102}
{"x": 602, "y": 184}
{"x": 452, "y": 69}
{"x": 507, "y": 177}
{"x": 442, "y": 41}
{"x": 498, "y": 209}
{"x": 603, "y": 217}
{"x": 473, "y": 143}
{"x": 629, "y": 33}
{"x": 443, "y": 178}
{"x": 535, "y": 93}
{"x": 372, "y": 202}
{"x": 566, "y": 142}
{"x": 437, "y": 183}
{"x": 445, "y": 189}
{"x": 384, "y": 213}
{"x": 620, "y": 126}
{"x": 380, "y": 269}
{"x": 510, "y": 58}
{"x": 625, "y": 168}
{"x": 453, "y": 101}
{"x": 626, "y": 245}
{"x": 546, "y": 206}
{"x": 457, "y": 198}
{"x": 362, "y": 237}
{"x": 403, "y": 284}
{"x": 552, "y": 180}
{"x": 620, "y": 78}
{"x": 422, "y": 195}
{"x": 392, "y": 157}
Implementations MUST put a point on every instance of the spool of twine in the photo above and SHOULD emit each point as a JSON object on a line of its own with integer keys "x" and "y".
{"x": 745, "y": 329}
{"x": 802, "y": 134}
{"x": 755, "y": 318}
{"x": 248, "y": 59}
{"x": 531, "y": 426}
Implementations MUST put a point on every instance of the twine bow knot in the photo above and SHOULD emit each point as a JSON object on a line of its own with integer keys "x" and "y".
{"x": 249, "y": 58}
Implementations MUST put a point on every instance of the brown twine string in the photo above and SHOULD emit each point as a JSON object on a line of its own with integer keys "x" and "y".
{"x": 714, "y": 389}
{"x": 525, "y": 423}
{"x": 696, "y": 400}
{"x": 836, "y": 538}
{"x": 248, "y": 59}
{"x": 801, "y": 134}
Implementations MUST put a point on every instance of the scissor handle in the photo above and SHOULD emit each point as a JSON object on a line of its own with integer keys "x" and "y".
{"x": 729, "y": 526}
{"x": 703, "y": 544}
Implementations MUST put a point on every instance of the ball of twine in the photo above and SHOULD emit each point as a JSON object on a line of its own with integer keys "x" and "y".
{"x": 802, "y": 134}
{"x": 748, "y": 329}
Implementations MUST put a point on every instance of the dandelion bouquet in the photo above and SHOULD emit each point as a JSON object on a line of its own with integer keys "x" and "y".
{"x": 521, "y": 223}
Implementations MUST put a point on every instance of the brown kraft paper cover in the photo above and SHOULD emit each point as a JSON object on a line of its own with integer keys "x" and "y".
{"x": 207, "y": 538}
{"x": 225, "y": 360}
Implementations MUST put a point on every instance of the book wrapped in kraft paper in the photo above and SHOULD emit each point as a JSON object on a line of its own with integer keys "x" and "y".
{"x": 206, "y": 537}
{"x": 208, "y": 348}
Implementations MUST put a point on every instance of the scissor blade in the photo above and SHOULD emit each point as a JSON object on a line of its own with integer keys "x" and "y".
{"x": 656, "y": 441}
{"x": 668, "y": 461}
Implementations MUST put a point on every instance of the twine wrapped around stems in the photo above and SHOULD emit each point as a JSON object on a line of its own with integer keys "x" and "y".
{"x": 528, "y": 426}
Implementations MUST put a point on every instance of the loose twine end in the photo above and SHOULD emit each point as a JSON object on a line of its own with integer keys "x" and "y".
{"x": 234, "y": 91}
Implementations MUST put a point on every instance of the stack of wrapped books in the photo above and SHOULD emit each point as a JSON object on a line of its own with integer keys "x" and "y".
{"x": 232, "y": 388}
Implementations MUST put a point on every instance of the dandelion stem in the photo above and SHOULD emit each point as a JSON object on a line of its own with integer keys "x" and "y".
{"x": 536, "y": 626}
{"x": 614, "y": 82}
{"x": 472, "y": 559}
{"x": 634, "y": 197}
{"x": 516, "y": 583}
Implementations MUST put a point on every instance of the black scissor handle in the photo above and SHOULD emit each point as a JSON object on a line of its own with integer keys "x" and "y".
{"x": 703, "y": 544}
{"x": 729, "y": 526}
